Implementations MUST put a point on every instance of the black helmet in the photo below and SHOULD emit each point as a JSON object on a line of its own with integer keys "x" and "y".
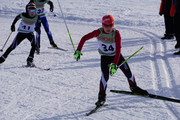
{"x": 30, "y": 6}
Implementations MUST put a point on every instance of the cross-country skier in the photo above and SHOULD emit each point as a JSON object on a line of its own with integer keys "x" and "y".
{"x": 25, "y": 30}
{"x": 41, "y": 12}
{"x": 109, "y": 41}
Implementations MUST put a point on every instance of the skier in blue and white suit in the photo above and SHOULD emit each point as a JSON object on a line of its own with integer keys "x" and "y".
{"x": 41, "y": 12}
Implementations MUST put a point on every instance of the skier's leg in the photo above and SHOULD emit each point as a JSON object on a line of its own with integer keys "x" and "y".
{"x": 18, "y": 39}
{"x": 131, "y": 79}
{"x": 31, "y": 38}
{"x": 105, "y": 60}
{"x": 49, "y": 34}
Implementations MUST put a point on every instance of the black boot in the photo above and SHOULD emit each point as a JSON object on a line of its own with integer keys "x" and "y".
{"x": 168, "y": 36}
{"x": 137, "y": 90}
{"x": 177, "y": 53}
{"x": 2, "y": 59}
{"x": 30, "y": 62}
{"x": 53, "y": 44}
{"x": 177, "y": 45}
{"x": 101, "y": 99}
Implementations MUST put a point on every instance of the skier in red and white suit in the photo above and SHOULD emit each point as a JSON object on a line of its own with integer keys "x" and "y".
{"x": 109, "y": 41}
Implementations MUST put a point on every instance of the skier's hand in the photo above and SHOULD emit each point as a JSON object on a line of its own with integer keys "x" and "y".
{"x": 36, "y": 29}
{"x": 12, "y": 28}
{"x": 51, "y": 8}
{"x": 77, "y": 55}
{"x": 113, "y": 68}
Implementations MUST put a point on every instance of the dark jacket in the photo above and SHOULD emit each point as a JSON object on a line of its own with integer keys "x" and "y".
{"x": 177, "y": 5}
{"x": 166, "y": 8}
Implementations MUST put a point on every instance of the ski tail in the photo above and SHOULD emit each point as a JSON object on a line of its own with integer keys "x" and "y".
{"x": 46, "y": 69}
{"x": 96, "y": 109}
{"x": 153, "y": 96}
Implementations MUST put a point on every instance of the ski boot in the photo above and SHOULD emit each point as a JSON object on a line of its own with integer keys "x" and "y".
{"x": 177, "y": 53}
{"x": 177, "y": 45}
{"x": 101, "y": 100}
{"x": 53, "y": 44}
{"x": 171, "y": 36}
{"x": 30, "y": 62}
{"x": 137, "y": 90}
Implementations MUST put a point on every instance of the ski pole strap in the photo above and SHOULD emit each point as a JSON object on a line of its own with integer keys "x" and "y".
{"x": 130, "y": 56}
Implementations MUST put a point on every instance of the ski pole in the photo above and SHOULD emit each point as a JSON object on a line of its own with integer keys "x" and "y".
{"x": 6, "y": 42}
{"x": 66, "y": 26}
{"x": 130, "y": 57}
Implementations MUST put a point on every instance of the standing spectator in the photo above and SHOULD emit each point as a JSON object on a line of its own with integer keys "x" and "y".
{"x": 177, "y": 24}
{"x": 165, "y": 9}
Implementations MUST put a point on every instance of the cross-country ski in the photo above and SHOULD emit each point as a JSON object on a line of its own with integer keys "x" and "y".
{"x": 153, "y": 96}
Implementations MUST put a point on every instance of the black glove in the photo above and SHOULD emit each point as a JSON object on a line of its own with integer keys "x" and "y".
{"x": 12, "y": 28}
{"x": 51, "y": 8}
{"x": 36, "y": 29}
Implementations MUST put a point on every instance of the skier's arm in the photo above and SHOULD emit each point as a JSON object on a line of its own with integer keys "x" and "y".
{"x": 51, "y": 6}
{"x": 14, "y": 22}
{"x": 16, "y": 19}
{"x": 118, "y": 47}
{"x": 88, "y": 36}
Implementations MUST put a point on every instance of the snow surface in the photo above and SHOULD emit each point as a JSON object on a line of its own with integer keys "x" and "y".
{"x": 69, "y": 89}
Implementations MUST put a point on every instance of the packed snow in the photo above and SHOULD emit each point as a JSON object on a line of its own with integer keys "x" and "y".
{"x": 69, "y": 89}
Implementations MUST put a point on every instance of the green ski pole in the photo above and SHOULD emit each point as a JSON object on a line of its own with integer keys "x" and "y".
{"x": 130, "y": 57}
{"x": 66, "y": 26}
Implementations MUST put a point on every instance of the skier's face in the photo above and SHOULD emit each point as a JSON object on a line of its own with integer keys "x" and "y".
{"x": 32, "y": 13}
{"x": 108, "y": 28}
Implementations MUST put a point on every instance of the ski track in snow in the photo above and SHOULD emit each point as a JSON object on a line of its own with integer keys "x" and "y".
{"x": 162, "y": 69}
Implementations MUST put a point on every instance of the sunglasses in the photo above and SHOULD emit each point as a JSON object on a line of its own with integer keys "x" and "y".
{"x": 32, "y": 10}
{"x": 108, "y": 25}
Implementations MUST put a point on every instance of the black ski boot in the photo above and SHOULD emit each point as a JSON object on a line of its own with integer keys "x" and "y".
{"x": 177, "y": 53}
{"x": 2, "y": 59}
{"x": 53, "y": 44}
{"x": 170, "y": 36}
{"x": 101, "y": 100}
{"x": 137, "y": 90}
{"x": 30, "y": 62}
{"x": 177, "y": 45}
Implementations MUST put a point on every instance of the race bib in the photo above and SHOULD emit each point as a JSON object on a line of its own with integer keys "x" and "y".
{"x": 40, "y": 11}
{"x": 106, "y": 48}
{"x": 26, "y": 28}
